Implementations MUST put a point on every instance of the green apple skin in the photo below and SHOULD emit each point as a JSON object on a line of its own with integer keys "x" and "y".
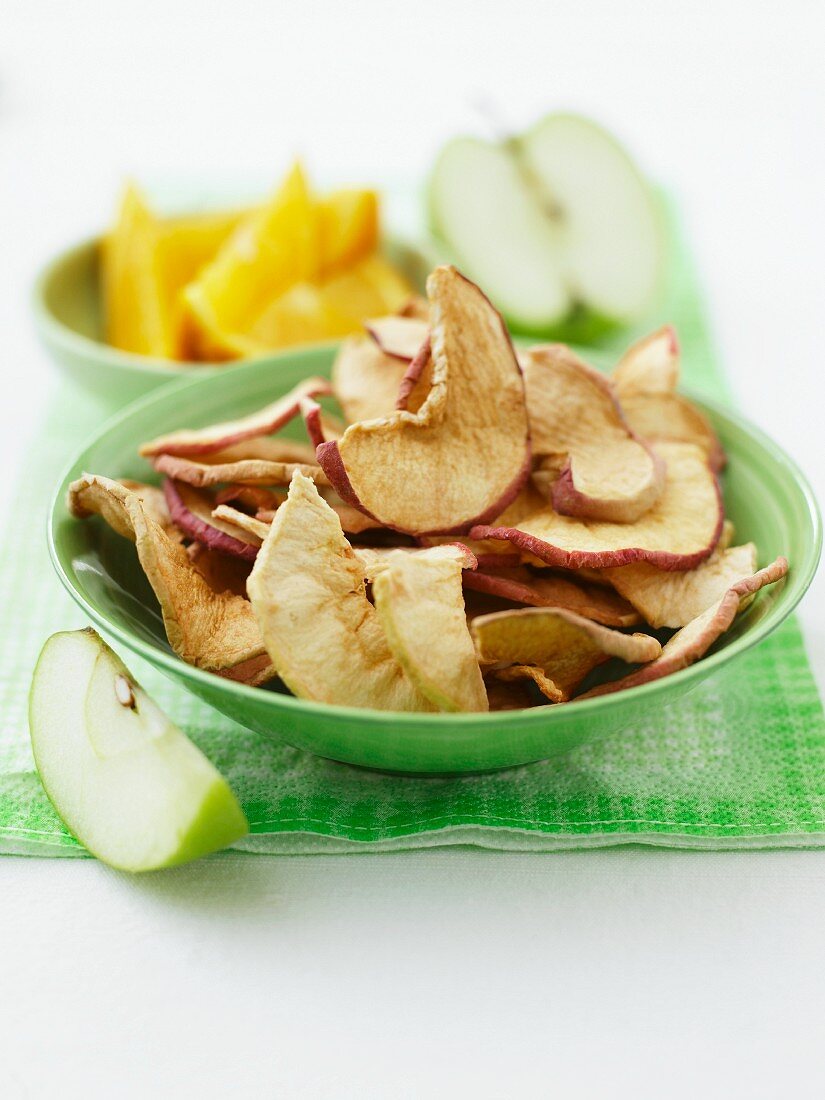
{"x": 126, "y": 781}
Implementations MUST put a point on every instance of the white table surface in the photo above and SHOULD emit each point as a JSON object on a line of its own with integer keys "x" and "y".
{"x": 447, "y": 973}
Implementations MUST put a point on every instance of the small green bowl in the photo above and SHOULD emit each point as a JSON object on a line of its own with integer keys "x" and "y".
{"x": 68, "y": 316}
{"x": 767, "y": 497}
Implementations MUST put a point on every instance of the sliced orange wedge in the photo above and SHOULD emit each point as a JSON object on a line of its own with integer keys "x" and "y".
{"x": 269, "y": 251}
{"x": 138, "y": 317}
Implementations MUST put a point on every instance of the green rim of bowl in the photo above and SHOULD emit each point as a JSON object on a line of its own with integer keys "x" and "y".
{"x": 65, "y": 338}
{"x": 799, "y": 578}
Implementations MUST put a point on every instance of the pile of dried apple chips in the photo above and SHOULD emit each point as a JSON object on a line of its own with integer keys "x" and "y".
{"x": 482, "y": 531}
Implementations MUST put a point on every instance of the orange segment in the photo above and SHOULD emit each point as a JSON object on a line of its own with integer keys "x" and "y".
{"x": 185, "y": 246}
{"x": 136, "y": 308}
{"x": 269, "y": 251}
{"x": 349, "y": 228}
{"x": 301, "y": 314}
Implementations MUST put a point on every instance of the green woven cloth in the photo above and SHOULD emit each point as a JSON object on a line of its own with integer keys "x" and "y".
{"x": 739, "y": 763}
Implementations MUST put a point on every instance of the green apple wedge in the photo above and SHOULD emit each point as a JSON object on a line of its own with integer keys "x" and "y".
{"x": 558, "y": 225}
{"x": 127, "y": 782}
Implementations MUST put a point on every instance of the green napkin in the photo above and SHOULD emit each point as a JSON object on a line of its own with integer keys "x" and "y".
{"x": 740, "y": 762}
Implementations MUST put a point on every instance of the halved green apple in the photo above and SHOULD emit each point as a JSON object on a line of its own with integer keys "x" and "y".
{"x": 554, "y": 224}
{"x": 127, "y": 782}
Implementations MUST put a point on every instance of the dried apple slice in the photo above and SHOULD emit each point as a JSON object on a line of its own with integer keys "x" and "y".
{"x": 366, "y": 380}
{"x": 514, "y": 674}
{"x": 397, "y": 336}
{"x": 645, "y": 380}
{"x": 256, "y": 529}
{"x": 694, "y": 640}
{"x": 419, "y": 600}
{"x": 416, "y": 307}
{"x": 670, "y": 416}
{"x": 507, "y": 695}
{"x": 521, "y": 586}
{"x": 214, "y": 630}
{"x": 352, "y": 521}
{"x": 217, "y": 437}
{"x": 679, "y": 532}
{"x": 322, "y": 633}
{"x": 562, "y": 646}
{"x": 244, "y": 471}
{"x": 608, "y": 473}
{"x": 464, "y": 455}
{"x": 155, "y": 506}
{"x": 221, "y": 572}
{"x": 192, "y": 510}
{"x": 250, "y": 496}
{"x": 675, "y": 599}
{"x": 651, "y": 365}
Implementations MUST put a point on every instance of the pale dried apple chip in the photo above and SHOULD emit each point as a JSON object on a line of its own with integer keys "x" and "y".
{"x": 256, "y": 529}
{"x": 518, "y": 584}
{"x": 420, "y": 604}
{"x": 221, "y": 572}
{"x": 255, "y": 497}
{"x": 675, "y": 599}
{"x": 679, "y": 532}
{"x": 645, "y": 380}
{"x": 321, "y": 631}
{"x": 352, "y": 521}
{"x": 651, "y": 365}
{"x": 366, "y": 380}
{"x": 215, "y": 630}
{"x": 671, "y": 417}
{"x": 507, "y": 695}
{"x": 515, "y": 674}
{"x": 416, "y": 307}
{"x": 217, "y": 437}
{"x": 155, "y": 506}
{"x": 375, "y": 559}
{"x": 694, "y": 640}
{"x": 192, "y": 510}
{"x": 563, "y": 646}
{"x": 244, "y": 471}
{"x": 465, "y": 453}
{"x": 607, "y": 472}
{"x": 397, "y": 336}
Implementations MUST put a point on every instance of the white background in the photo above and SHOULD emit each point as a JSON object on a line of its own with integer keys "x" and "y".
{"x": 452, "y": 973}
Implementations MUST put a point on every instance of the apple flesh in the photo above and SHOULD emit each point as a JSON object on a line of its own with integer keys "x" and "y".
{"x": 555, "y": 224}
{"x": 127, "y": 782}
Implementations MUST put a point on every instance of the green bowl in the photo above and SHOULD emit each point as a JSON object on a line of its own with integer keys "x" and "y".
{"x": 68, "y": 317}
{"x": 767, "y": 497}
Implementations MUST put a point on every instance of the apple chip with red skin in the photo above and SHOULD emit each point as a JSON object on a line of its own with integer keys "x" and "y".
{"x": 365, "y": 379}
{"x": 217, "y": 437}
{"x": 651, "y": 365}
{"x": 555, "y": 648}
{"x": 194, "y": 513}
{"x": 255, "y": 529}
{"x": 213, "y": 630}
{"x": 645, "y": 380}
{"x": 679, "y": 532}
{"x": 243, "y": 472}
{"x": 522, "y": 586}
{"x": 321, "y": 631}
{"x": 465, "y": 453}
{"x": 420, "y": 604}
{"x": 606, "y": 472}
{"x": 676, "y": 599}
{"x": 397, "y": 336}
{"x": 694, "y": 640}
